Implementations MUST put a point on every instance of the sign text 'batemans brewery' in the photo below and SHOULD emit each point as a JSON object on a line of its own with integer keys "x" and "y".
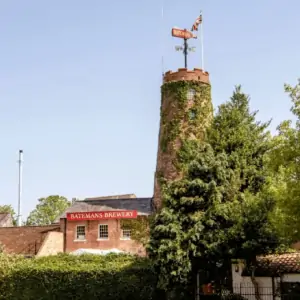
{"x": 102, "y": 215}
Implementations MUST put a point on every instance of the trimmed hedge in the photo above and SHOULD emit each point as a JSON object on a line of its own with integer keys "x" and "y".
{"x": 111, "y": 277}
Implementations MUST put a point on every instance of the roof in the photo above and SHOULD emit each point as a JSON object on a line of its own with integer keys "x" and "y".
{"x": 143, "y": 206}
{"x": 25, "y": 240}
{"x": 276, "y": 264}
{"x": 124, "y": 196}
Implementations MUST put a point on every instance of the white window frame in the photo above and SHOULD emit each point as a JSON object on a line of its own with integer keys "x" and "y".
{"x": 125, "y": 238}
{"x": 76, "y": 232}
{"x": 103, "y": 238}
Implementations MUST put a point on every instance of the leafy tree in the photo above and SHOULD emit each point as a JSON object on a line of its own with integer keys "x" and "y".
{"x": 47, "y": 210}
{"x": 220, "y": 209}
{"x": 9, "y": 209}
{"x": 284, "y": 163}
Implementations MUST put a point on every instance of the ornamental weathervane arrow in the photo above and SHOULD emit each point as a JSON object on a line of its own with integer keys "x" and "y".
{"x": 186, "y": 35}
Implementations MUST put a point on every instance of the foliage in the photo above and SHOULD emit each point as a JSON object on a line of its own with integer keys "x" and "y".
{"x": 139, "y": 228}
{"x": 9, "y": 209}
{"x": 283, "y": 161}
{"x": 175, "y": 94}
{"x": 48, "y": 210}
{"x": 236, "y": 132}
{"x": 220, "y": 209}
{"x": 77, "y": 277}
{"x": 182, "y": 232}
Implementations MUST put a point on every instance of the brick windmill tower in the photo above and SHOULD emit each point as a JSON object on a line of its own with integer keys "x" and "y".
{"x": 186, "y": 111}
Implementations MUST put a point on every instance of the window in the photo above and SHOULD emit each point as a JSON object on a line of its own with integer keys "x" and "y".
{"x": 192, "y": 114}
{"x": 80, "y": 233}
{"x": 126, "y": 234}
{"x": 103, "y": 232}
{"x": 191, "y": 94}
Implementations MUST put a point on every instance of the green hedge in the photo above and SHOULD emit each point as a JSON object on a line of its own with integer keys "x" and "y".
{"x": 111, "y": 277}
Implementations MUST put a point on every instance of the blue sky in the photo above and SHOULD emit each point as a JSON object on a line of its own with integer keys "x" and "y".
{"x": 80, "y": 84}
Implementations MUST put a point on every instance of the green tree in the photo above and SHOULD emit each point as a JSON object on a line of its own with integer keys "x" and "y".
{"x": 220, "y": 209}
{"x": 236, "y": 132}
{"x": 9, "y": 209}
{"x": 284, "y": 163}
{"x": 47, "y": 210}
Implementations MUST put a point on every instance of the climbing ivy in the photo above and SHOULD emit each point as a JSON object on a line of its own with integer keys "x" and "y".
{"x": 180, "y": 123}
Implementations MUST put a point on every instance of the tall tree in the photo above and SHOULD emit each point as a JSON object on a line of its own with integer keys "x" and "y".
{"x": 219, "y": 210}
{"x": 47, "y": 210}
{"x": 236, "y": 132}
{"x": 284, "y": 164}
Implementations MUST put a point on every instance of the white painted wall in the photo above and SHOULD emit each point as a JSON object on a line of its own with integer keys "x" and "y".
{"x": 243, "y": 285}
{"x": 291, "y": 278}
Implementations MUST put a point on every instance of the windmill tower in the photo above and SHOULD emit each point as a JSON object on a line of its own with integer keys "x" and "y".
{"x": 186, "y": 112}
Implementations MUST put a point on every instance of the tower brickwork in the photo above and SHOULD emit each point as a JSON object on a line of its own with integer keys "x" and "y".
{"x": 186, "y": 111}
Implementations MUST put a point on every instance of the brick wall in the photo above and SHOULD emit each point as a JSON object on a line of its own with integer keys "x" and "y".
{"x": 166, "y": 167}
{"x": 52, "y": 244}
{"x": 187, "y": 75}
{"x": 92, "y": 237}
{"x": 25, "y": 240}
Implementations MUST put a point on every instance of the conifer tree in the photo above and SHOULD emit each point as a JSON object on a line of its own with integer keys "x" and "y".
{"x": 219, "y": 209}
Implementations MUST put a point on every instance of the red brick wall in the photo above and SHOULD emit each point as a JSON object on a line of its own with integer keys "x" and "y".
{"x": 92, "y": 241}
{"x": 187, "y": 75}
{"x": 24, "y": 240}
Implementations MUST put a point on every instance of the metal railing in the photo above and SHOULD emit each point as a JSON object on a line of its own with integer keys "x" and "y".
{"x": 247, "y": 292}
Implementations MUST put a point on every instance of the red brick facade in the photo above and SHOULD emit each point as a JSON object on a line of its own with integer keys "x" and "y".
{"x": 92, "y": 240}
{"x": 187, "y": 75}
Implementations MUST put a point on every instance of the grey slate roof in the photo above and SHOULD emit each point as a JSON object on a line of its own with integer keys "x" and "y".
{"x": 142, "y": 205}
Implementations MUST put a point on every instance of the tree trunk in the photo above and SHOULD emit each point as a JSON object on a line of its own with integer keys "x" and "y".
{"x": 256, "y": 286}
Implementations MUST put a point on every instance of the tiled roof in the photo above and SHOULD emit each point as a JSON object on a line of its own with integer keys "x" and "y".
{"x": 142, "y": 205}
{"x": 271, "y": 265}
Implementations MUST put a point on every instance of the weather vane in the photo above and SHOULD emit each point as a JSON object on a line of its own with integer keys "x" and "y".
{"x": 186, "y": 35}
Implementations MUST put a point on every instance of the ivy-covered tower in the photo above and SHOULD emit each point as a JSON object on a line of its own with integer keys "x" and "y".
{"x": 186, "y": 111}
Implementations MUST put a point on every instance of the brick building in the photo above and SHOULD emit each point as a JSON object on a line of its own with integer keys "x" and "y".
{"x": 89, "y": 224}
{"x": 95, "y": 223}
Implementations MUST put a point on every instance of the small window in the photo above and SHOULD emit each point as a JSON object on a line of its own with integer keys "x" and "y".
{"x": 80, "y": 233}
{"x": 192, "y": 114}
{"x": 191, "y": 94}
{"x": 103, "y": 232}
{"x": 126, "y": 234}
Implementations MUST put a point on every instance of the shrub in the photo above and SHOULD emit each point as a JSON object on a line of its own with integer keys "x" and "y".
{"x": 111, "y": 277}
